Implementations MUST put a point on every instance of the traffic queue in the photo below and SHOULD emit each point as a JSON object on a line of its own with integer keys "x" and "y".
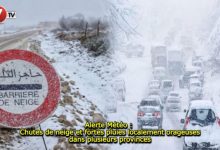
{"x": 163, "y": 96}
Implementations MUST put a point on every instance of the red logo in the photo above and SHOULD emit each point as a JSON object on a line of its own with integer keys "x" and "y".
{"x": 3, "y": 14}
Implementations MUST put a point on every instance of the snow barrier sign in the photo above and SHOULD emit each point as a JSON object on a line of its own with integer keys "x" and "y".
{"x": 29, "y": 89}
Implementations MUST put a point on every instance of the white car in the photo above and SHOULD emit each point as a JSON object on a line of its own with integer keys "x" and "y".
{"x": 202, "y": 116}
{"x": 198, "y": 77}
{"x": 197, "y": 58}
{"x": 157, "y": 98}
{"x": 174, "y": 94}
{"x": 185, "y": 78}
{"x": 150, "y": 114}
{"x": 197, "y": 63}
{"x": 195, "y": 90}
{"x": 173, "y": 102}
{"x": 159, "y": 73}
{"x": 166, "y": 87}
{"x": 154, "y": 86}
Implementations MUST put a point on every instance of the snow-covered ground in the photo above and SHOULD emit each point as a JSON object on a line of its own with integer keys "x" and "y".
{"x": 91, "y": 74}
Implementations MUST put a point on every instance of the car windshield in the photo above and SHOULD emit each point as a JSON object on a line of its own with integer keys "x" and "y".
{"x": 161, "y": 59}
{"x": 167, "y": 84}
{"x": 195, "y": 84}
{"x": 159, "y": 71}
{"x": 173, "y": 101}
{"x": 149, "y": 110}
{"x": 149, "y": 103}
{"x": 202, "y": 117}
{"x": 154, "y": 97}
{"x": 154, "y": 85}
{"x": 174, "y": 94}
{"x": 194, "y": 76}
{"x": 188, "y": 73}
{"x": 197, "y": 64}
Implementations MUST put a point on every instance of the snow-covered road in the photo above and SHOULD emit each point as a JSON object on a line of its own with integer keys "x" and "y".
{"x": 137, "y": 75}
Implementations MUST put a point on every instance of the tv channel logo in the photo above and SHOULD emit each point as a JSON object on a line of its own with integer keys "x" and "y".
{"x": 4, "y": 14}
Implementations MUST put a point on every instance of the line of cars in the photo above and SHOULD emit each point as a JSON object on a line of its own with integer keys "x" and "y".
{"x": 162, "y": 95}
{"x": 193, "y": 79}
{"x": 161, "y": 92}
{"x": 201, "y": 114}
{"x": 150, "y": 109}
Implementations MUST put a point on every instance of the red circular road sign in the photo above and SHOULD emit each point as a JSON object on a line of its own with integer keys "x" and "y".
{"x": 29, "y": 89}
{"x": 3, "y": 14}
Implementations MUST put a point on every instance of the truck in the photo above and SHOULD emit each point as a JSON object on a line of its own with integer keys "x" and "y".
{"x": 159, "y": 56}
{"x": 175, "y": 62}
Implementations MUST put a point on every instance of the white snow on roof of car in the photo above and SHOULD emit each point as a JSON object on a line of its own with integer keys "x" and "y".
{"x": 153, "y": 96}
{"x": 192, "y": 68}
{"x": 148, "y": 99}
{"x": 174, "y": 92}
{"x": 154, "y": 81}
{"x": 195, "y": 81}
{"x": 194, "y": 75}
{"x": 197, "y": 61}
{"x": 200, "y": 104}
{"x": 159, "y": 68}
{"x": 167, "y": 81}
{"x": 175, "y": 50}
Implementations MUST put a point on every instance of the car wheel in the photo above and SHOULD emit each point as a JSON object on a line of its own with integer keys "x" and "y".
{"x": 184, "y": 148}
{"x": 160, "y": 126}
{"x": 139, "y": 126}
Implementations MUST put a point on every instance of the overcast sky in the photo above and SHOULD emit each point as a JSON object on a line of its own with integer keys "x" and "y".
{"x": 32, "y": 11}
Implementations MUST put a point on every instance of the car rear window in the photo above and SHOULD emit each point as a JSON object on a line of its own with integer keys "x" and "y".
{"x": 173, "y": 101}
{"x": 149, "y": 103}
{"x": 195, "y": 84}
{"x": 167, "y": 84}
{"x": 154, "y": 85}
{"x": 197, "y": 64}
{"x": 188, "y": 73}
{"x": 159, "y": 71}
{"x": 149, "y": 110}
{"x": 174, "y": 94}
